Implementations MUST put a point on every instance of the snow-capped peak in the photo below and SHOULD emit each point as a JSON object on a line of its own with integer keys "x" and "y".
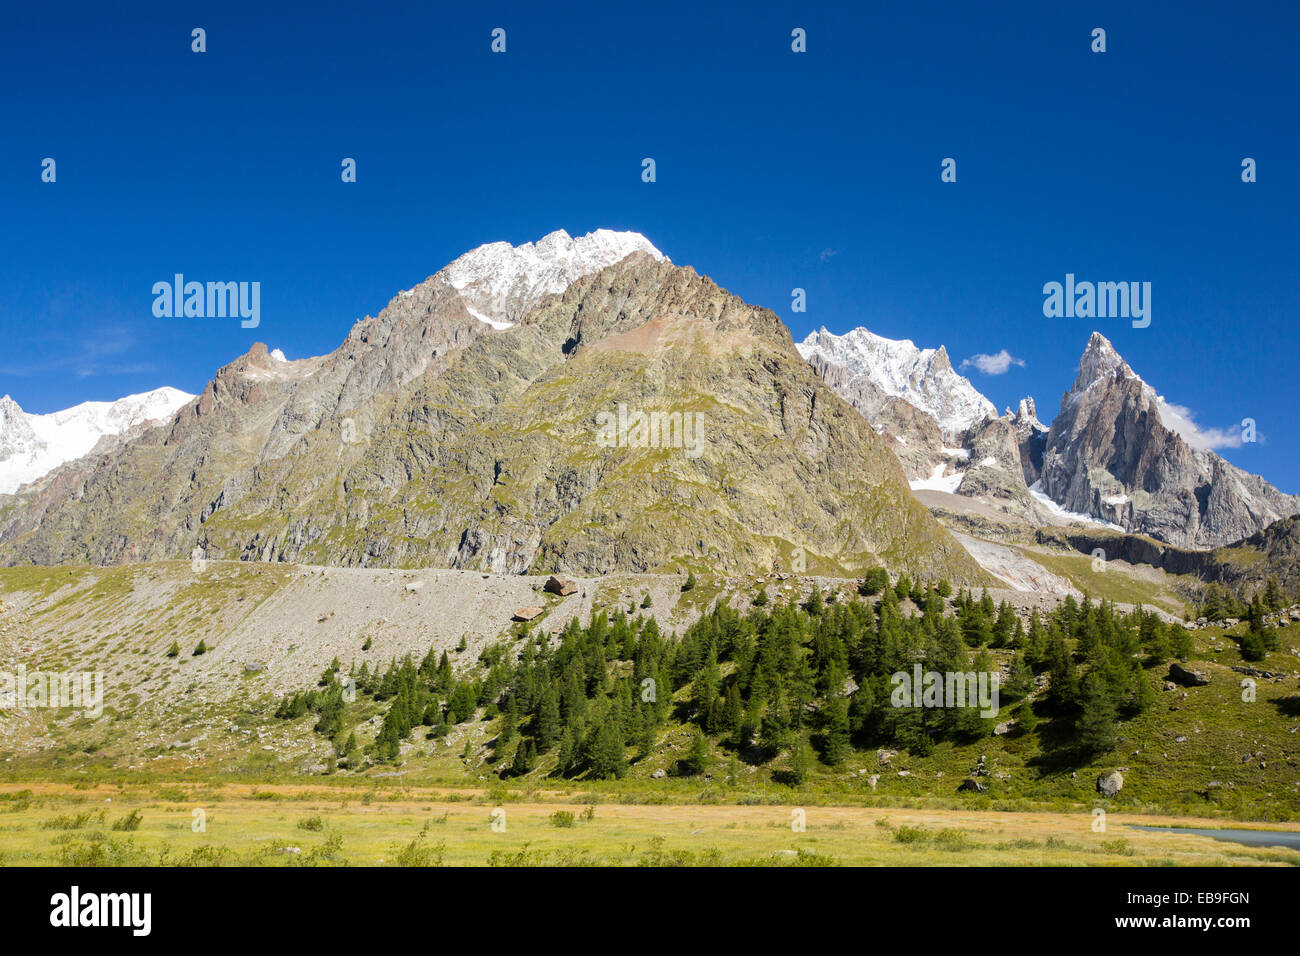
{"x": 500, "y": 282}
{"x": 924, "y": 378}
{"x": 1026, "y": 416}
{"x": 34, "y": 445}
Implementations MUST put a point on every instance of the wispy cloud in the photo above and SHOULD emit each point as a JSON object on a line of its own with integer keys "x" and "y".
{"x": 1181, "y": 419}
{"x": 83, "y": 334}
{"x": 825, "y": 254}
{"x": 996, "y": 364}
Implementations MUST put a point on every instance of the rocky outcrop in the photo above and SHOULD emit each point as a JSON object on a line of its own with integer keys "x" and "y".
{"x": 995, "y": 470}
{"x": 1031, "y": 439}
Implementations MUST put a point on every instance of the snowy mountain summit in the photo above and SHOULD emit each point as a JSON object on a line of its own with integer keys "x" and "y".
{"x": 924, "y": 378}
{"x": 34, "y": 445}
{"x": 500, "y": 282}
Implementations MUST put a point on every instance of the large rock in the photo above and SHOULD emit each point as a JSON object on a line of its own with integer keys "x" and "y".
{"x": 1109, "y": 784}
{"x": 527, "y": 613}
{"x": 1187, "y": 676}
{"x": 561, "y": 586}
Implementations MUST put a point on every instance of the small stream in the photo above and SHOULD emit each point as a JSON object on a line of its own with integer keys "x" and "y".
{"x": 1281, "y": 838}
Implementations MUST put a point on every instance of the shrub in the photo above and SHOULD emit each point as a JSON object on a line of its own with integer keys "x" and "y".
{"x": 129, "y": 823}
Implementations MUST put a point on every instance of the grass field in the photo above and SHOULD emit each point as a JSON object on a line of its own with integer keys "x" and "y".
{"x": 296, "y": 825}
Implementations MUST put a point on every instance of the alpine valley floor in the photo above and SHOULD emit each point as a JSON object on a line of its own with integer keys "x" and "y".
{"x": 189, "y": 762}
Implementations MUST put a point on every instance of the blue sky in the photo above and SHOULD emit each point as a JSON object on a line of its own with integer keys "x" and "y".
{"x": 775, "y": 170}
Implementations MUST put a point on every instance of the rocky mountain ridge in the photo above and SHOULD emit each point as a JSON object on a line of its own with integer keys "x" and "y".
{"x": 1115, "y": 455}
{"x": 432, "y": 438}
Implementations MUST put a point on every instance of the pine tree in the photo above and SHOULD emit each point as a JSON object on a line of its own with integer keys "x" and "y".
{"x": 798, "y": 772}
{"x": 525, "y": 758}
{"x": 548, "y": 720}
{"x": 1273, "y": 599}
{"x": 1095, "y": 727}
{"x": 836, "y": 747}
{"x": 608, "y": 758}
{"x": 875, "y": 581}
{"x": 698, "y": 757}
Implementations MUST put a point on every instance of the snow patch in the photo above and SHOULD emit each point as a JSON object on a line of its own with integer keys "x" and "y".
{"x": 492, "y": 322}
{"x": 1036, "y": 490}
{"x": 938, "y": 481}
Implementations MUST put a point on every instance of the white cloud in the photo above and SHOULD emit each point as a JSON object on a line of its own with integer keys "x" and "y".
{"x": 1181, "y": 419}
{"x": 827, "y": 253}
{"x": 993, "y": 364}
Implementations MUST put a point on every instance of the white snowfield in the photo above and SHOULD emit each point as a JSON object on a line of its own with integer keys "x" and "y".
{"x": 938, "y": 481}
{"x": 1056, "y": 511}
{"x": 923, "y": 378}
{"x": 34, "y": 445}
{"x": 500, "y": 282}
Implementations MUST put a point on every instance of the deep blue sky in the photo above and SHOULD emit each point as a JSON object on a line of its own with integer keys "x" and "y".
{"x": 225, "y": 166}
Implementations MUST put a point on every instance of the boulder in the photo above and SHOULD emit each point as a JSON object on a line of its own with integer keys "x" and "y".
{"x": 527, "y": 613}
{"x": 971, "y": 785}
{"x": 561, "y": 586}
{"x": 1004, "y": 728}
{"x": 252, "y": 667}
{"x": 1187, "y": 676}
{"x": 1109, "y": 784}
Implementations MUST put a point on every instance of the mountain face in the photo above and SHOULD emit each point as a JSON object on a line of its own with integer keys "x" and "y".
{"x": 640, "y": 418}
{"x": 34, "y": 445}
{"x": 1111, "y": 454}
